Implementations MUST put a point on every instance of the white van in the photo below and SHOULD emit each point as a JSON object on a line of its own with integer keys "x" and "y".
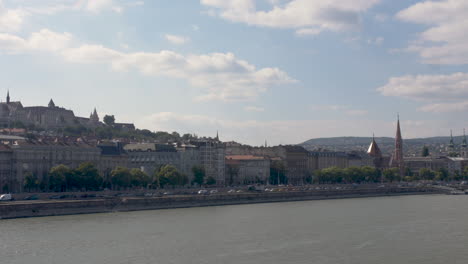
{"x": 5, "y": 197}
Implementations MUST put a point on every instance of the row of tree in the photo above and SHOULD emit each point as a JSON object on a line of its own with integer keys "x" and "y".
{"x": 373, "y": 175}
{"x": 86, "y": 177}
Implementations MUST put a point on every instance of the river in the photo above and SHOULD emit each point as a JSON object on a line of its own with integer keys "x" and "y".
{"x": 422, "y": 229}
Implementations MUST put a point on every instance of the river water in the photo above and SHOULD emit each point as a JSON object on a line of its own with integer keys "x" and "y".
{"x": 408, "y": 229}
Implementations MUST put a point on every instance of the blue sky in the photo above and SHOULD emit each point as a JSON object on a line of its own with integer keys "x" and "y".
{"x": 278, "y": 70}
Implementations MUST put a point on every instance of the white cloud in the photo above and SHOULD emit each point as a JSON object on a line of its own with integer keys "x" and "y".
{"x": 11, "y": 19}
{"x": 427, "y": 87}
{"x": 447, "y": 93}
{"x": 254, "y": 109}
{"x": 177, "y": 40}
{"x": 221, "y": 76}
{"x": 305, "y": 16}
{"x": 445, "y": 40}
{"x": 44, "y": 40}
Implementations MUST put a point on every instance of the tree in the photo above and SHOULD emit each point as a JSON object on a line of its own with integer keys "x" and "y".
{"x": 120, "y": 177}
{"x": 426, "y": 174}
{"x": 109, "y": 120}
{"x": 425, "y": 151}
{"x": 353, "y": 175}
{"x": 278, "y": 173}
{"x": 169, "y": 175}
{"x": 88, "y": 176}
{"x": 211, "y": 181}
{"x": 139, "y": 178}
{"x": 442, "y": 174}
{"x": 391, "y": 175}
{"x": 198, "y": 175}
{"x": 30, "y": 182}
{"x": 58, "y": 178}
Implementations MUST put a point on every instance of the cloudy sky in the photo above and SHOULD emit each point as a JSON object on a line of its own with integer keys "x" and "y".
{"x": 278, "y": 70}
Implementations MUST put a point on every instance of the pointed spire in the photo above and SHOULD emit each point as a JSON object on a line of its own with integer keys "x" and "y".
{"x": 397, "y": 158}
{"x": 464, "y": 143}
{"x": 51, "y": 103}
{"x": 451, "y": 143}
{"x": 266, "y": 145}
{"x": 374, "y": 149}
{"x": 217, "y": 135}
{"x": 94, "y": 116}
{"x": 8, "y": 97}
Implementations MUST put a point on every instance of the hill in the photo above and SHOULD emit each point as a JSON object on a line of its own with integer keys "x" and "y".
{"x": 412, "y": 146}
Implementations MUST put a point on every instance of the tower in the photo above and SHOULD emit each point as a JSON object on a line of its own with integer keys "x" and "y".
{"x": 397, "y": 159}
{"x": 94, "y": 117}
{"x": 51, "y": 103}
{"x": 8, "y": 97}
{"x": 464, "y": 146}
{"x": 217, "y": 135}
{"x": 451, "y": 144}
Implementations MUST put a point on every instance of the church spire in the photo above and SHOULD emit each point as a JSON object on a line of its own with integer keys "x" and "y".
{"x": 51, "y": 103}
{"x": 397, "y": 159}
{"x": 451, "y": 143}
{"x": 374, "y": 149}
{"x": 217, "y": 135}
{"x": 8, "y": 97}
{"x": 94, "y": 116}
{"x": 464, "y": 143}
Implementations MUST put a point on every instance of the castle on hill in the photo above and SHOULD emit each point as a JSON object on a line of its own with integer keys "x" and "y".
{"x": 46, "y": 117}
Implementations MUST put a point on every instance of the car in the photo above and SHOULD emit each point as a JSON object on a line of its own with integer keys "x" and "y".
{"x": 202, "y": 192}
{"x": 232, "y": 191}
{"x": 6, "y": 197}
{"x": 32, "y": 197}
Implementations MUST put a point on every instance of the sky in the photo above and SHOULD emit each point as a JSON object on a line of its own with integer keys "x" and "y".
{"x": 283, "y": 71}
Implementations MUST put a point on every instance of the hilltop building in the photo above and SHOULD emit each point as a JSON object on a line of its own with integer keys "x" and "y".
{"x": 46, "y": 117}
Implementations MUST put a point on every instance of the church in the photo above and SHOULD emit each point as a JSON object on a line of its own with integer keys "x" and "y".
{"x": 45, "y": 117}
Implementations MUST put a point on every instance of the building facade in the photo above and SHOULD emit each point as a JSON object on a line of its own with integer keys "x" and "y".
{"x": 247, "y": 169}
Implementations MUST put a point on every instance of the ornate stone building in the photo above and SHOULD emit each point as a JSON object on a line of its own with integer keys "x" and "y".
{"x": 46, "y": 117}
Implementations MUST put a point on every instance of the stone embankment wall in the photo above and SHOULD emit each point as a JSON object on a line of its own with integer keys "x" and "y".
{"x": 19, "y": 209}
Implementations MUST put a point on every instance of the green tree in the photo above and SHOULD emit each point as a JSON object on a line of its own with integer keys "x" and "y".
{"x": 211, "y": 181}
{"x": 391, "y": 175}
{"x": 426, "y": 174}
{"x": 278, "y": 173}
{"x": 58, "y": 177}
{"x": 88, "y": 176}
{"x": 121, "y": 177}
{"x": 139, "y": 178}
{"x": 442, "y": 174}
{"x": 109, "y": 120}
{"x": 353, "y": 175}
{"x": 168, "y": 175}
{"x": 30, "y": 182}
{"x": 425, "y": 151}
{"x": 371, "y": 174}
{"x": 198, "y": 175}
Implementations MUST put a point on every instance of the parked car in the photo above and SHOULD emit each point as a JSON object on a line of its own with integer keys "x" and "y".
{"x": 6, "y": 197}
{"x": 32, "y": 197}
{"x": 202, "y": 192}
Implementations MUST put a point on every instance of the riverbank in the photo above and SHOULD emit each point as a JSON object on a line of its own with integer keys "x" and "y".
{"x": 20, "y": 209}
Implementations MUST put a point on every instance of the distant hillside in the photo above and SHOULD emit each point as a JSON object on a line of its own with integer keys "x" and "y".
{"x": 411, "y": 146}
